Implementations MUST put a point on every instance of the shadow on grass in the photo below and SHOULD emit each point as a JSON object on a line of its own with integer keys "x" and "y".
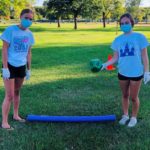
{"x": 50, "y": 29}
{"x": 89, "y": 95}
{"x": 35, "y": 29}
{"x": 68, "y": 55}
{"x": 100, "y": 29}
{"x": 96, "y": 29}
{"x": 48, "y": 57}
{"x": 2, "y": 28}
{"x": 82, "y": 96}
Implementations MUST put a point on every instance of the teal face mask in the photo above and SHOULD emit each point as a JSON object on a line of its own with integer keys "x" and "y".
{"x": 126, "y": 28}
{"x": 26, "y": 23}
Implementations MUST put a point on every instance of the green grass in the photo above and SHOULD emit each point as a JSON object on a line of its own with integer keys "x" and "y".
{"x": 62, "y": 84}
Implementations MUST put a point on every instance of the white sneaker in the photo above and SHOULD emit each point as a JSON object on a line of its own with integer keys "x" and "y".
{"x": 124, "y": 119}
{"x": 132, "y": 122}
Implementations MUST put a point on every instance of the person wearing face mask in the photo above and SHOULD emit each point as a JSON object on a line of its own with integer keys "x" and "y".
{"x": 130, "y": 52}
{"x": 16, "y": 64}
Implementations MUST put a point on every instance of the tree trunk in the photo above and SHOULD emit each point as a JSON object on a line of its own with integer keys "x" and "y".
{"x": 58, "y": 22}
{"x": 104, "y": 23}
{"x": 146, "y": 18}
{"x": 75, "y": 22}
{"x": 117, "y": 23}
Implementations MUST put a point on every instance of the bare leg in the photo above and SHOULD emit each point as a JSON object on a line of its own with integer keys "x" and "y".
{"x": 134, "y": 89}
{"x": 9, "y": 95}
{"x": 124, "y": 84}
{"x": 18, "y": 84}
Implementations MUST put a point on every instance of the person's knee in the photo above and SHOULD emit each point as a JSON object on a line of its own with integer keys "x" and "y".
{"x": 134, "y": 99}
{"x": 17, "y": 92}
{"x": 126, "y": 96}
{"x": 9, "y": 96}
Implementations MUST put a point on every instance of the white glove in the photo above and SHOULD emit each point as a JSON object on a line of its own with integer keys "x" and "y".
{"x": 146, "y": 77}
{"x": 28, "y": 74}
{"x": 5, "y": 73}
{"x": 104, "y": 65}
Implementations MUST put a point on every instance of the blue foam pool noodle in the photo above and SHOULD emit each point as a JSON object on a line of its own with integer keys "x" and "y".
{"x": 45, "y": 118}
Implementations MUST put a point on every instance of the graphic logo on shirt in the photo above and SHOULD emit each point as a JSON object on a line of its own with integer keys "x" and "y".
{"x": 21, "y": 43}
{"x": 127, "y": 49}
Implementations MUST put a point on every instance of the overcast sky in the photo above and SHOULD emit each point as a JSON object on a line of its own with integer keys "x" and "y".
{"x": 143, "y": 3}
{"x": 39, "y": 2}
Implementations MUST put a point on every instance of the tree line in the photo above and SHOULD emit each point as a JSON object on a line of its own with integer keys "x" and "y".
{"x": 10, "y": 9}
{"x": 92, "y": 9}
{"x": 104, "y": 10}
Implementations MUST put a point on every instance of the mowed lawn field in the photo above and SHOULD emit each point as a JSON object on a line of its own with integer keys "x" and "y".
{"x": 62, "y": 84}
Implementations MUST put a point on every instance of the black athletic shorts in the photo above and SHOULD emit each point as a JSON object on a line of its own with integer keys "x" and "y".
{"x": 17, "y": 72}
{"x": 122, "y": 77}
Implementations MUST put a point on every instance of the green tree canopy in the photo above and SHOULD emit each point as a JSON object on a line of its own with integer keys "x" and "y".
{"x": 12, "y": 8}
{"x": 133, "y": 7}
{"x": 58, "y": 8}
{"x": 5, "y": 8}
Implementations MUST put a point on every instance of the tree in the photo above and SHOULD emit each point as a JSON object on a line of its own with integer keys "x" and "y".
{"x": 93, "y": 11}
{"x": 18, "y": 5}
{"x": 118, "y": 10}
{"x": 40, "y": 12}
{"x": 78, "y": 8}
{"x": 146, "y": 12}
{"x": 12, "y": 8}
{"x": 5, "y": 8}
{"x": 108, "y": 7}
{"x": 58, "y": 8}
{"x": 132, "y": 6}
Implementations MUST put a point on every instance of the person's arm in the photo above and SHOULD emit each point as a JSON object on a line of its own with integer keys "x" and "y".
{"x": 5, "y": 70}
{"x": 111, "y": 61}
{"x": 28, "y": 71}
{"x": 146, "y": 65}
{"x": 5, "y": 54}
{"x": 145, "y": 60}
{"x": 29, "y": 56}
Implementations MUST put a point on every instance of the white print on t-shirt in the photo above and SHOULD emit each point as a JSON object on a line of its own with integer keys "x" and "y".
{"x": 21, "y": 43}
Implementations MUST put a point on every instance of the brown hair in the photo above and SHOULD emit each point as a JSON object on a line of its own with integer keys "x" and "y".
{"x": 24, "y": 11}
{"x": 129, "y": 17}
